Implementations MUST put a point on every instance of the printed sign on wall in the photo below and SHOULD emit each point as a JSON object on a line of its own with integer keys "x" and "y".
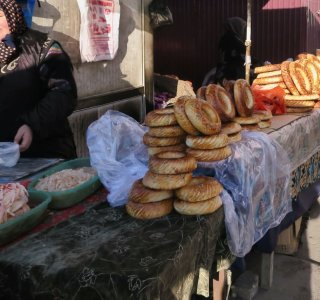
{"x": 99, "y": 30}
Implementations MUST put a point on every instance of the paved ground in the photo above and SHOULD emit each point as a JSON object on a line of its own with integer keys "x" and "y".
{"x": 297, "y": 277}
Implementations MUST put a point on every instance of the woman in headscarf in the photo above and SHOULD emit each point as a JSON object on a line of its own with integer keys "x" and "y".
{"x": 37, "y": 88}
{"x": 232, "y": 51}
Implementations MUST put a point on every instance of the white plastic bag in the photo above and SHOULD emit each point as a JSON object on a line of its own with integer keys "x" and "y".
{"x": 99, "y": 30}
{"x": 9, "y": 154}
{"x": 117, "y": 153}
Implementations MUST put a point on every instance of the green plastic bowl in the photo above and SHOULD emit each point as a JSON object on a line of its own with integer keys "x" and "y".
{"x": 72, "y": 196}
{"x": 14, "y": 228}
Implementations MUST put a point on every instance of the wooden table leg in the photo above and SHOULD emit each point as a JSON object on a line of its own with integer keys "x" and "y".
{"x": 266, "y": 270}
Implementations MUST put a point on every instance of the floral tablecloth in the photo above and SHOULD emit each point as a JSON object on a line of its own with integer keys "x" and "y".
{"x": 106, "y": 254}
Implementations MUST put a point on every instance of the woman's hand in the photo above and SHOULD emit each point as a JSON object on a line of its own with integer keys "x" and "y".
{"x": 23, "y": 137}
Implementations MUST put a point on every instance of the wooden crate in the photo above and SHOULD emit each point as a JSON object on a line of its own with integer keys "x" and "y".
{"x": 288, "y": 240}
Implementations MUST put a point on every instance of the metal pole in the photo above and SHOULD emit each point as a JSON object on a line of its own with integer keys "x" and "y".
{"x": 248, "y": 41}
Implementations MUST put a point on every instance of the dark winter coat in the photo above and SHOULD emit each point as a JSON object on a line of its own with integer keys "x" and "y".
{"x": 37, "y": 88}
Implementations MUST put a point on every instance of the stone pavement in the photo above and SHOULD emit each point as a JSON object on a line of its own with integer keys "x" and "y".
{"x": 297, "y": 277}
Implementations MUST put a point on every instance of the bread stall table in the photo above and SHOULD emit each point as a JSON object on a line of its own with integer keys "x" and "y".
{"x": 93, "y": 251}
{"x": 297, "y": 135}
{"x": 256, "y": 214}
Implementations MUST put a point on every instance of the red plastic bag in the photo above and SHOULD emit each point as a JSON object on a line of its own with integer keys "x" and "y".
{"x": 271, "y": 98}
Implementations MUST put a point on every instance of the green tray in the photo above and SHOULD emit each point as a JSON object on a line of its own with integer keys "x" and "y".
{"x": 12, "y": 229}
{"x": 72, "y": 196}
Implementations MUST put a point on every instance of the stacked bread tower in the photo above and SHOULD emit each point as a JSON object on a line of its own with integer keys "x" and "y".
{"x": 202, "y": 124}
{"x": 199, "y": 197}
{"x": 164, "y": 132}
{"x": 170, "y": 170}
{"x": 300, "y": 80}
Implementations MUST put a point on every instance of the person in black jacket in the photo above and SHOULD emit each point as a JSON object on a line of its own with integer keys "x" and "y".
{"x": 232, "y": 53}
{"x": 37, "y": 88}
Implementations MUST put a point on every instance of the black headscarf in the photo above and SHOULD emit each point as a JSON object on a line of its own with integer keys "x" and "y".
{"x": 237, "y": 26}
{"x": 232, "y": 43}
{"x": 17, "y": 26}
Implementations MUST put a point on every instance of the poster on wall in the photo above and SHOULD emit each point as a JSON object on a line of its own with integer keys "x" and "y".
{"x": 99, "y": 29}
{"x": 27, "y": 8}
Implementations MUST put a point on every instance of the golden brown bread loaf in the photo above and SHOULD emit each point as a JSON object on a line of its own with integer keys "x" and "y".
{"x": 268, "y": 80}
{"x": 313, "y": 74}
{"x": 152, "y": 141}
{"x": 172, "y": 162}
{"x": 141, "y": 194}
{"x": 302, "y": 55}
{"x": 200, "y": 188}
{"x": 234, "y": 137}
{"x": 299, "y": 103}
{"x": 210, "y": 155}
{"x": 218, "y": 97}
{"x": 203, "y": 116}
{"x": 166, "y": 131}
{"x": 297, "y": 78}
{"x": 207, "y": 142}
{"x": 228, "y": 86}
{"x": 155, "y": 150}
{"x": 312, "y": 97}
{"x": 197, "y": 208}
{"x": 269, "y": 74}
{"x": 152, "y": 210}
{"x": 243, "y": 98}
{"x": 302, "y": 73}
{"x": 165, "y": 182}
{"x": 246, "y": 120}
{"x": 263, "y": 115}
{"x": 267, "y": 68}
{"x": 299, "y": 109}
{"x": 182, "y": 118}
{"x": 201, "y": 92}
{"x": 161, "y": 117}
{"x": 230, "y": 128}
{"x": 264, "y": 124}
{"x": 251, "y": 127}
{"x": 287, "y": 91}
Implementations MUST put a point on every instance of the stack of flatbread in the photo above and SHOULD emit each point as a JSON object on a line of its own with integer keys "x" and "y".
{"x": 300, "y": 80}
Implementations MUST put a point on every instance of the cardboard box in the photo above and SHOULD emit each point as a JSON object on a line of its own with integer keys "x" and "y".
{"x": 288, "y": 240}
{"x": 174, "y": 86}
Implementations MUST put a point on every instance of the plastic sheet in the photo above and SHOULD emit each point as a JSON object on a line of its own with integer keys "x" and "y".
{"x": 256, "y": 178}
{"x": 302, "y": 134}
{"x": 117, "y": 153}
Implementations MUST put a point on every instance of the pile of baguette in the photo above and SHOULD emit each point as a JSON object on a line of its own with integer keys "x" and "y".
{"x": 300, "y": 80}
